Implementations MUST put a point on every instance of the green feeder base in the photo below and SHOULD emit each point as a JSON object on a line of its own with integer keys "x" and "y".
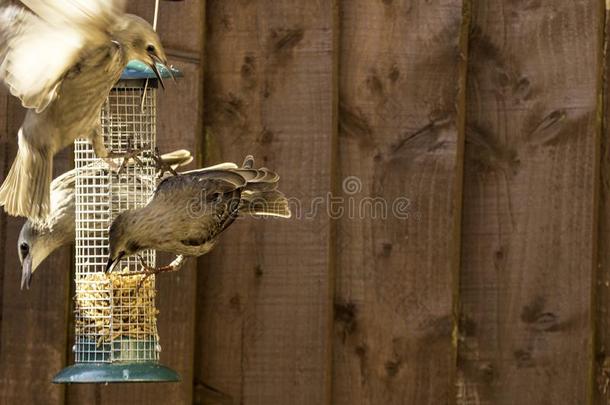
{"x": 101, "y": 373}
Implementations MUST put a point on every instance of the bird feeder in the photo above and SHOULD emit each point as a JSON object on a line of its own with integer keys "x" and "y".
{"x": 116, "y": 337}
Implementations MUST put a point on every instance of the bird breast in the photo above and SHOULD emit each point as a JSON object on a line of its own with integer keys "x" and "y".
{"x": 179, "y": 248}
{"x": 85, "y": 88}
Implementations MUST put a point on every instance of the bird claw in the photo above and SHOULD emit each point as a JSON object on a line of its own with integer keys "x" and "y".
{"x": 112, "y": 164}
{"x": 148, "y": 271}
{"x": 129, "y": 154}
{"x": 151, "y": 271}
{"x": 161, "y": 166}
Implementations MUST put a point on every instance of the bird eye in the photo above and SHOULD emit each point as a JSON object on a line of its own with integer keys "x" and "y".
{"x": 24, "y": 248}
{"x": 150, "y": 49}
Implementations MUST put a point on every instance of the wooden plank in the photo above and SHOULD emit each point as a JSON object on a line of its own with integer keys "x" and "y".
{"x": 601, "y": 392}
{"x": 264, "y": 309}
{"x": 178, "y": 126}
{"x": 33, "y": 331}
{"x": 5, "y": 161}
{"x": 529, "y": 223}
{"x": 179, "y": 23}
{"x": 401, "y": 136}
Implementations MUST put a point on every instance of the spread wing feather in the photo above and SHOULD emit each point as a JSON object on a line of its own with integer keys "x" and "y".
{"x": 98, "y": 14}
{"x": 37, "y": 49}
{"x": 257, "y": 189}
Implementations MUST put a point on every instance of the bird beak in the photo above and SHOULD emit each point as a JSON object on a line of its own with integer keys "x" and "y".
{"x": 26, "y": 272}
{"x": 113, "y": 262}
{"x": 153, "y": 66}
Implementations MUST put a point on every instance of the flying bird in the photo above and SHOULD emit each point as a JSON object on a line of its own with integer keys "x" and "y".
{"x": 188, "y": 213}
{"x": 61, "y": 58}
{"x": 37, "y": 240}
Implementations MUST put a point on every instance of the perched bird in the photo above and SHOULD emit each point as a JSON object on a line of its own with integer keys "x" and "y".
{"x": 37, "y": 240}
{"x": 61, "y": 60}
{"x": 187, "y": 213}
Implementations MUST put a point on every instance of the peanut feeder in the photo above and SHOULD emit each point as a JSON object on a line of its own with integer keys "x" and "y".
{"x": 116, "y": 337}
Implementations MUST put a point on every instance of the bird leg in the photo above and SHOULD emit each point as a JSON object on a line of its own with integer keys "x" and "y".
{"x": 148, "y": 271}
{"x": 129, "y": 154}
{"x": 162, "y": 166}
{"x": 97, "y": 142}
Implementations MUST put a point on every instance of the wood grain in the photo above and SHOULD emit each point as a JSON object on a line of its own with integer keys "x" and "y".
{"x": 179, "y": 23}
{"x": 401, "y": 136}
{"x": 601, "y": 384}
{"x": 264, "y": 304}
{"x": 529, "y": 224}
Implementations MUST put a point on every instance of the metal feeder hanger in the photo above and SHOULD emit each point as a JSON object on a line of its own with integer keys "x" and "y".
{"x": 116, "y": 337}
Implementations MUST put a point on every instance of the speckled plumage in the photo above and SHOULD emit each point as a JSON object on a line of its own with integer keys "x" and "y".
{"x": 188, "y": 212}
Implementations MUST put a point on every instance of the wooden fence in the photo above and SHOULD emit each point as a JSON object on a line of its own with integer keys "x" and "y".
{"x": 480, "y": 124}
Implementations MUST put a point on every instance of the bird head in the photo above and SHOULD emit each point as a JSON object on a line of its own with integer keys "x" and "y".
{"x": 32, "y": 247}
{"x": 120, "y": 241}
{"x": 141, "y": 42}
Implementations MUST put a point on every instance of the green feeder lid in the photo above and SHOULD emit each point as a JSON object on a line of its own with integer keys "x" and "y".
{"x": 139, "y": 70}
{"x": 102, "y": 373}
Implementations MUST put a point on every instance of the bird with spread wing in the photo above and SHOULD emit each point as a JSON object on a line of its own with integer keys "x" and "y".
{"x": 61, "y": 58}
{"x": 188, "y": 213}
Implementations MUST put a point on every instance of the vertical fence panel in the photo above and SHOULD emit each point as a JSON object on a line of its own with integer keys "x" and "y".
{"x": 601, "y": 387}
{"x": 529, "y": 225}
{"x": 34, "y": 323}
{"x": 402, "y": 73}
{"x": 264, "y": 308}
{"x": 5, "y": 156}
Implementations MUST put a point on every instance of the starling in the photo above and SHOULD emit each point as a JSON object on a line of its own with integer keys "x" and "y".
{"x": 37, "y": 240}
{"x": 187, "y": 213}
{"x": 61, "y": 59}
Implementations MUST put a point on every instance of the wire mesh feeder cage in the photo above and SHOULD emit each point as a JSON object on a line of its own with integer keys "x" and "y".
{"x": 116, "y": 337}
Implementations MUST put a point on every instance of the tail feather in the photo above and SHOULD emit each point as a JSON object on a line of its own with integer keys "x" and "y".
{"x": 177, "y": 158}
{"x": 259, "y": 179}
{"x": 26, "y": 189}
{"x": 265, "y": 203}
{"x": 260, "y": 196}
{"x": 221, "y": 166}
{"x": 248, "y": 162}
{"x": 258, "y": 187}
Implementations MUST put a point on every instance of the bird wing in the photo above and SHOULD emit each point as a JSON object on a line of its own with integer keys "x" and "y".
{"x": 86, "y": 15}
{"x": 34, "y": 56}
{"x": 64, "y": 180}
{"x": 220, "y": 166}
{"x": 255, "y": 184}
{"x": 197, "y": 206}
{"x": 62, "y": 202}
{"x": 63, "y": 190}
{"x": 206, "y": 181}
{"x": 38, "y": 49}
{"x": 177, "y": 158}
